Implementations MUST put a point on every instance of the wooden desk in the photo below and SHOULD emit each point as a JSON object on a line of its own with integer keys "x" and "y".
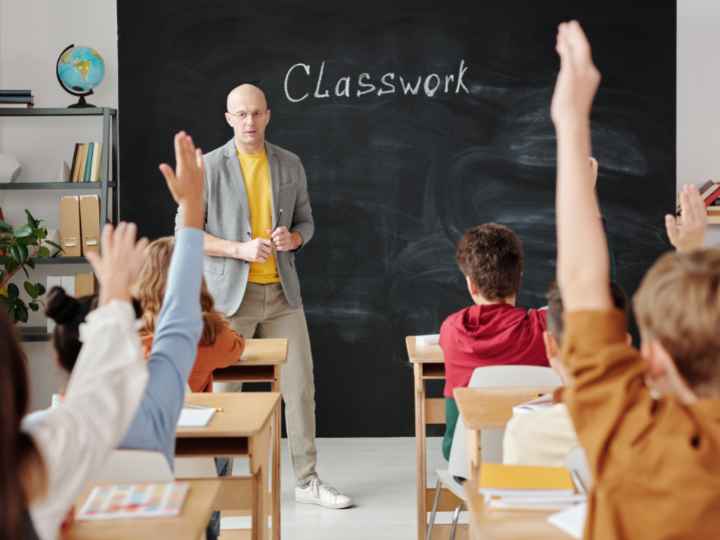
{"x": 494, "y": 524}
{"x": 262, "y": 361}
{"x": 189, "y": 525}
{"x": 484, "y": 408}
{"x": 242, "y": 428}
{"x": 428, "y": 364}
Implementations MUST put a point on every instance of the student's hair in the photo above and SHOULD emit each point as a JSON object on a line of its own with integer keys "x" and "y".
{"x": 69, "y": 313}
{"x": 491, "y": 255}
{"x": 555, "y": 324}
{"x": 151, "y": 291}
{"x": 678, "y": 304}
{"x": 22, "y": 472}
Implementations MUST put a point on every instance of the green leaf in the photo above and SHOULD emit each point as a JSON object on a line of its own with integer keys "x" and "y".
{"x": 16, "y": 254}
{"x": 31, "y": 219}
{"x": 24, "y": 231}
{"x": 34, "y": 306}
{"x": 23, "y": 252}
{"x": 43, "y": 252}
{"x": 21, "y": 312}
{"x": 5, "y": 227}
{"x": 30, "y": 289}
{"x": 13, "y": 291}
{"x": 40, "y": 288}
{"x": 30, "y": 263}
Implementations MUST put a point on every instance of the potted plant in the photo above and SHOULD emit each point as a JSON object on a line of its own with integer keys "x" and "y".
{"x": 19, "y": 247}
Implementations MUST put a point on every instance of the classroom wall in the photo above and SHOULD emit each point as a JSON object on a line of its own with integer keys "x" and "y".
{"x": 33, "y": 33}
{"x": 698, "y": 104}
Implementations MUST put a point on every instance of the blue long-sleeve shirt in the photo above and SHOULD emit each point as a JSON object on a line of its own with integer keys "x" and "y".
{"x": 173, "y": 352}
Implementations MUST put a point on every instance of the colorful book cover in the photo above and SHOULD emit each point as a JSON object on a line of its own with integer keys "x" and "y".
{"x": 117, "y": 501}
{"x": 88, "y": 163}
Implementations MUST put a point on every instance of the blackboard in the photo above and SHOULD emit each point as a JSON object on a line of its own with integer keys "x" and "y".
{"x": 395, "y": 177}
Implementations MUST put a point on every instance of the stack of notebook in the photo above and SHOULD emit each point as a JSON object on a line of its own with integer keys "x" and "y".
{"x": 520, "y": 486}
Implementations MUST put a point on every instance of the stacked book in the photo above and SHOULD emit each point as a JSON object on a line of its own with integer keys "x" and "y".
{"x": 86, "y": 162}
{"x": 527, "y": 487}
{"x": 16, "y": 99}
{"x": 710, "y": 192}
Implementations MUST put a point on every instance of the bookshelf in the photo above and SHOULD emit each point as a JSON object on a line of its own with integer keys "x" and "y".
{"x": 107, "y": 187}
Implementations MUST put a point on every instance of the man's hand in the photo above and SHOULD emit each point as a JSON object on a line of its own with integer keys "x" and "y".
{"x": 119, "y": 265}
{"x": 578, "y": 79}
{"x": 284, "y": 240}
{"x": 186, "y": 181}
{"x": 256, "y": 251}
{"x": 687, "y": 232}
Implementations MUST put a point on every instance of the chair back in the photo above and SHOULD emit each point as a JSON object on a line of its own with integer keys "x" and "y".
{"x": 505, "y": 377}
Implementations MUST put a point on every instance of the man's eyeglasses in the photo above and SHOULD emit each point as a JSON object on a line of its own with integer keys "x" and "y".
{"x": 242, "y": 115}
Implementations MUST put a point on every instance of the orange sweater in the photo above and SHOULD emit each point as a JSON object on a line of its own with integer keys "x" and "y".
{"x": 655, "y": 463}
{"x": 226, "y": 350}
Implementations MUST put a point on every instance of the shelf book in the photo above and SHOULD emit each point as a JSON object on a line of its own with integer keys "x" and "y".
{"x": 86, "y": 162}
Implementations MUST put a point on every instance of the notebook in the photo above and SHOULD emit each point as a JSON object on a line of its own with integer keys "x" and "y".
{"x": 195, "y": 416}
{"x": 134, "y": 501}
{"x": 497, "y": 480}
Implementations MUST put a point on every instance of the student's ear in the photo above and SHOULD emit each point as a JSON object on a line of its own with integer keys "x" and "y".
{"x": 471, "y": 286}
{"x": 551, "y": 345}
{"x": 628, "y": 340}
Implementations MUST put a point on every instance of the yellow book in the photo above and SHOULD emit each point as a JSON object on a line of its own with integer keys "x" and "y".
{"x": 521, "y": 480}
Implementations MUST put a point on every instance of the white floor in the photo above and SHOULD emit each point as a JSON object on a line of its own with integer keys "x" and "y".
{"x": 378, "y": 473}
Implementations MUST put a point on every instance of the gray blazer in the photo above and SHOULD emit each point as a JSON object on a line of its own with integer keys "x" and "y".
{"x": 227, "y": 216}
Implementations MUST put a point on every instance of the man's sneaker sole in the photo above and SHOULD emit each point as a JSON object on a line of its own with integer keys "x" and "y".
{"x": 312, "y": 500}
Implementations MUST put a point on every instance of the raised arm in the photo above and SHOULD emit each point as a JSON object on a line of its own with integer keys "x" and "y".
{"x": 104, "y": 390}
{"x": 583, "y": 263}
{"x": 179, "y": 323}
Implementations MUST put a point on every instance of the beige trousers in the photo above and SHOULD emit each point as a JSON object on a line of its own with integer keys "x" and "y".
{"x": 265, "y": 313}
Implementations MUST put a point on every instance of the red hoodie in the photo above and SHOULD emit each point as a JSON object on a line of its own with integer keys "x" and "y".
{"x": 490, "y": 335}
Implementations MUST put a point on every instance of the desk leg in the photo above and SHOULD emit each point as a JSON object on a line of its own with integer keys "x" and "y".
{"x": 259, "y": 452}
{"x": 420, "y": 451}
{"x": 276, "y": 485}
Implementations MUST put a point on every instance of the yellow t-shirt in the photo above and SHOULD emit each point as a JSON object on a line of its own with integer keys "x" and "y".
{"x": 256, "y": 175}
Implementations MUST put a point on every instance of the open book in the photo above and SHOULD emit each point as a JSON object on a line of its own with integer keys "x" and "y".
{"x": 134, "y": 501}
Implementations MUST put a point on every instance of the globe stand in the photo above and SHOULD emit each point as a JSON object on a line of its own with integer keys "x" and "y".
{"x": 82, "y": 104}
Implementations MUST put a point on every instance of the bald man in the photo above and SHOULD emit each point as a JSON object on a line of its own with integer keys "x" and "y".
{"x": 257, "y": 217}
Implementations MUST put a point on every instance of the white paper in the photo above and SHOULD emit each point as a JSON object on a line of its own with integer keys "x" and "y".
{"x": 427, "y": 339}
{"x": 572, "y": 520}
{"x": 195, "y": 417}
{"x": 538, "y": 404}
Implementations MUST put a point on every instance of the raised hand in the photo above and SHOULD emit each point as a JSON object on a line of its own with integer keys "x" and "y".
{"x": 119, "y": 265}
{"x": 186, "y": 181}
{"x": 687, "y": 231}
{"x": 578, "y": 79}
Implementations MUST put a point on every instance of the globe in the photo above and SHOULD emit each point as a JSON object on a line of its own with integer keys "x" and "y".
{"x": 79, "y": 70}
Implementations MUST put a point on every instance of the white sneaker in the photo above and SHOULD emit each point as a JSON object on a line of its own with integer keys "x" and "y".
{"x": 315, "y": 492}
